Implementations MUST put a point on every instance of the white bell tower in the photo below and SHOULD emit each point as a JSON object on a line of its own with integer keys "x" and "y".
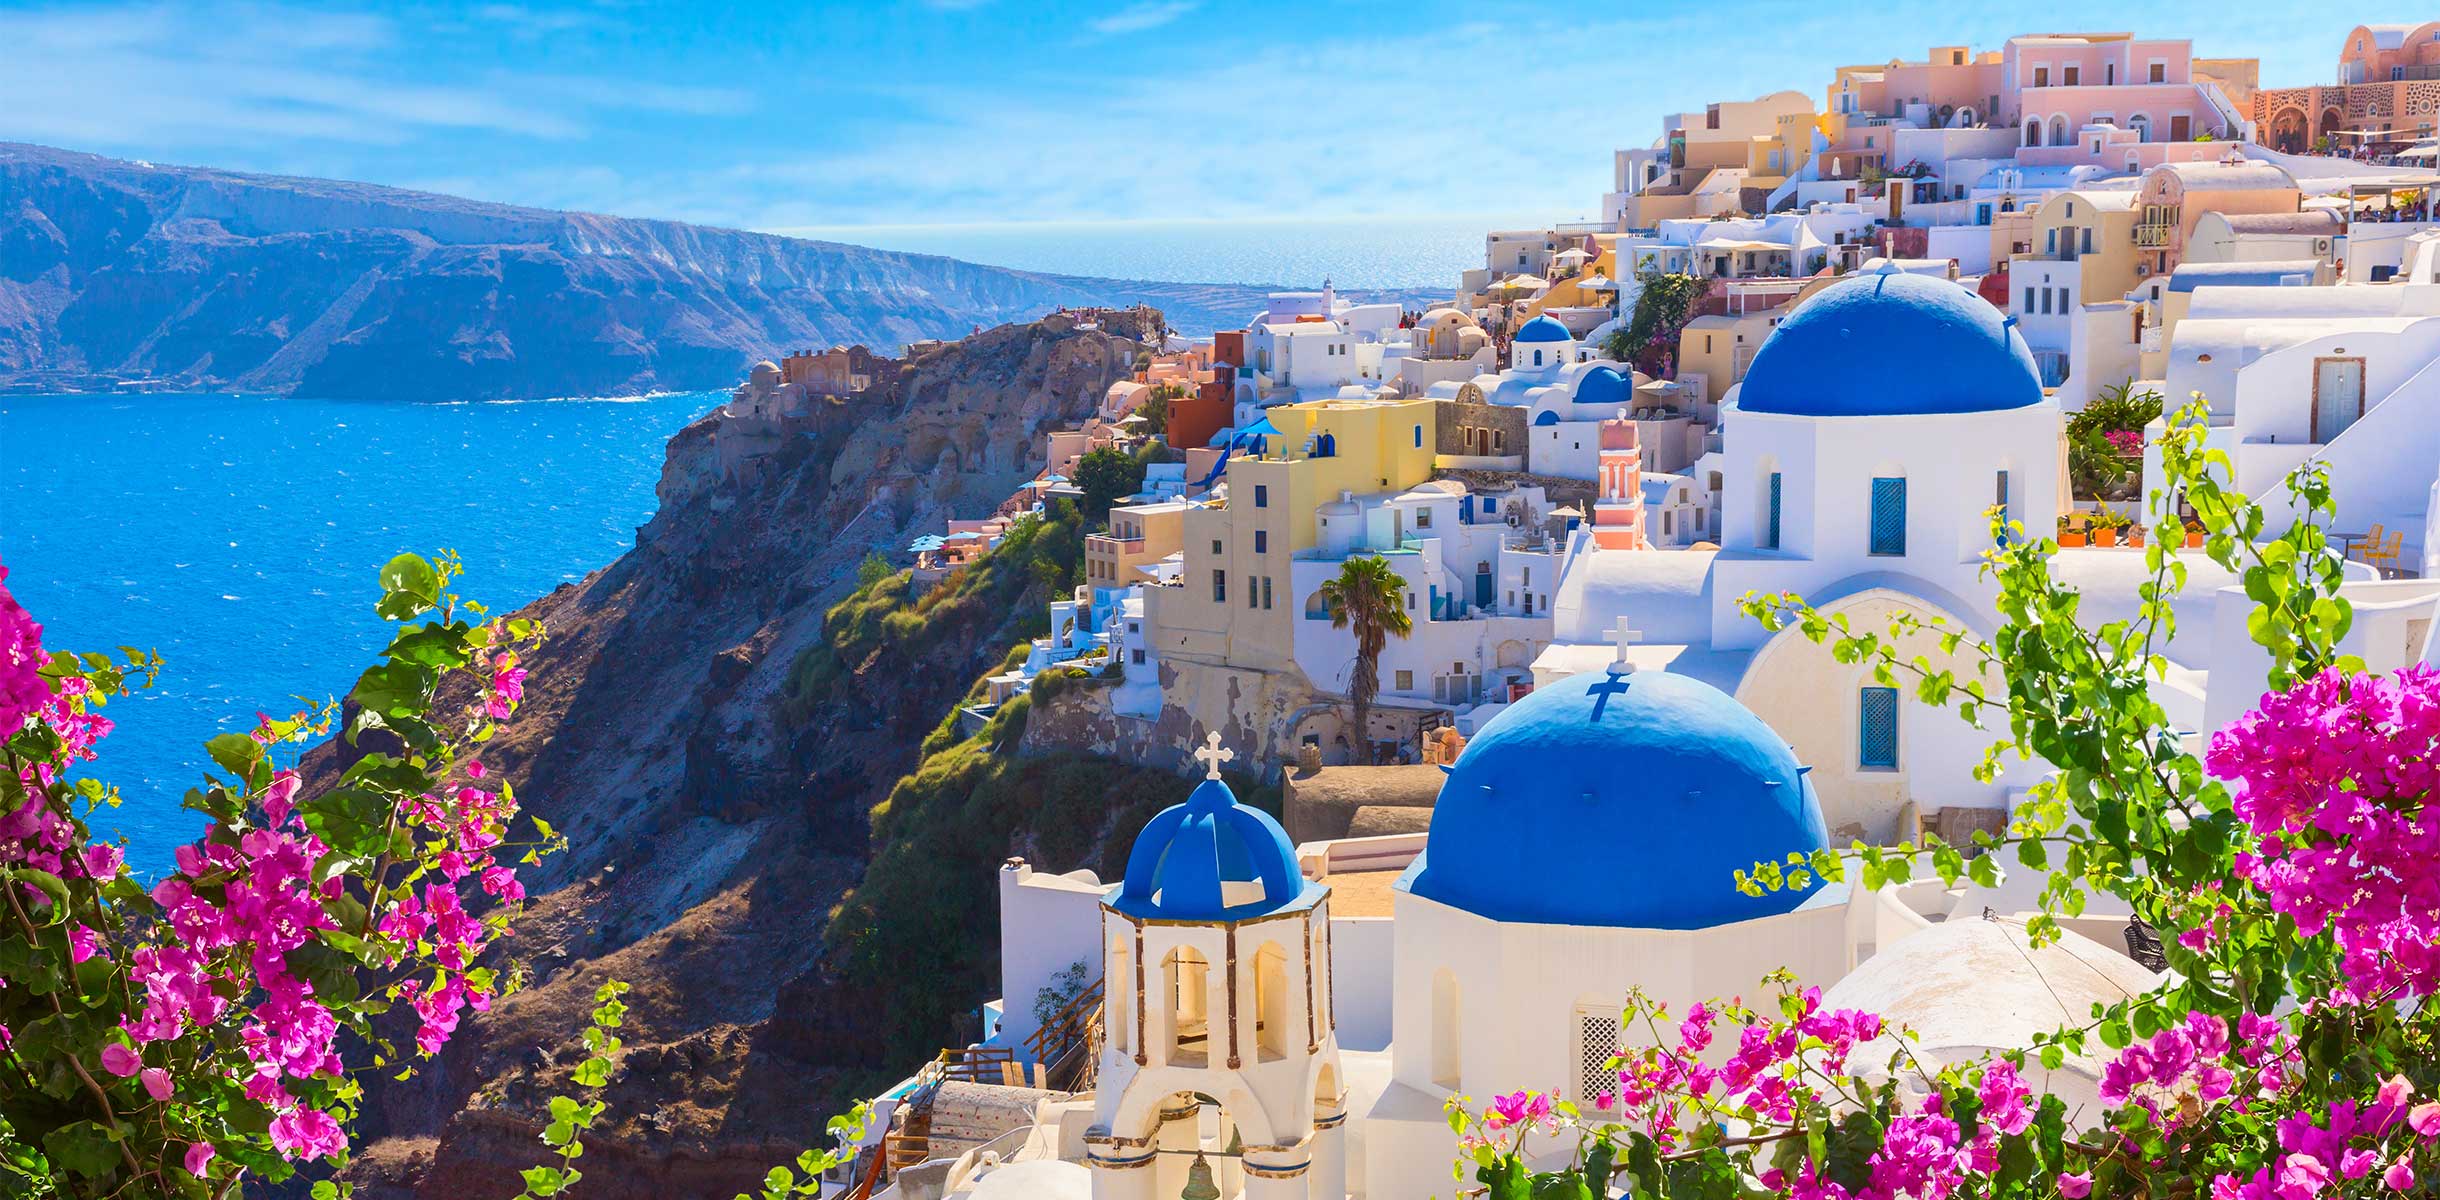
{"x": 1219, "y": 1047}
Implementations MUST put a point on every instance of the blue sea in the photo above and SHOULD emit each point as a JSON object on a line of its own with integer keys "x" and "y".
{"x": 1370, "y": 252}
{"x": 239, "y": 535}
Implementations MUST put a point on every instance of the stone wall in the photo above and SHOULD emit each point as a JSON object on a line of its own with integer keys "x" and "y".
{"x": 1462, "y": 425}
{"x": 1259, "y": 715}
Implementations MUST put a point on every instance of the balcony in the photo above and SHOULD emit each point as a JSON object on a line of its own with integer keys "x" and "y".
{"x": 2153, "y": 237}
{"x": 1112, "y": 545}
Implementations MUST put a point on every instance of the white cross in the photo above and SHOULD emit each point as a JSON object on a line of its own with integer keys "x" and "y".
{"x": 1213, "y": 754}
{"x": 1625, "y": 635}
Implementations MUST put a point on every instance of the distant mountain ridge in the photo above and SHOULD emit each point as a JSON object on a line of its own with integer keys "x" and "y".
{"x": 116, "y": 273}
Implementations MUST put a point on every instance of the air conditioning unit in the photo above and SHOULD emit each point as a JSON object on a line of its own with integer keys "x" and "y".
{"x": 2143, "y": 270}
{"x": 2321, "y": 245}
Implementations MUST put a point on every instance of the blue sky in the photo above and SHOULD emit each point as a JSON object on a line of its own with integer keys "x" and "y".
{"x": 788, "y": 115}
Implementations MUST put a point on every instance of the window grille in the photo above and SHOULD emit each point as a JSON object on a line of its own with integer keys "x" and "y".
{"x": 1597, "y": 1042}
{"x": 1889, "y": 516}
{"x": 1770, "y": 533}
{"x": 1877, "y": 735}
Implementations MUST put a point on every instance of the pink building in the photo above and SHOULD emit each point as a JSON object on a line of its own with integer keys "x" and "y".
{"x": 2053, "y": 85}
{"x": 1618, "y": 512}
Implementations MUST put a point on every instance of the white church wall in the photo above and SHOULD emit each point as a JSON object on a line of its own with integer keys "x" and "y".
{"x": 1048, "y": 923}
{"x": 1362, "y": 951}
{"x": 1520, "y": 990}
{"x": 1815, "y": 702}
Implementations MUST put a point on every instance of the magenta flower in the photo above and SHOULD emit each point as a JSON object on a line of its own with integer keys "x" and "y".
{"x": 22, "y": 691}
{"x": 120, "y": 1061}
{"x": 156, "y": 1083}
{"x": 199, "y": 1159}
{"x": 2076, "y": 1185}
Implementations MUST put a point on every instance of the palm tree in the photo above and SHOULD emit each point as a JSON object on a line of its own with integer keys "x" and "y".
{"x": 1370, "y": 598}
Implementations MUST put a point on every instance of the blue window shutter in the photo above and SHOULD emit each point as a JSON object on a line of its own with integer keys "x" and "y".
{"x": 1877, "y": 728}
{"x": 1889, "y": 517}
{"x": 1771, "y": 531}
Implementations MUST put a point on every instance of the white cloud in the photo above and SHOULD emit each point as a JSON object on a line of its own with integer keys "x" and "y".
{"x": 1136, "y": 18}
{"x": 248, "y": 77}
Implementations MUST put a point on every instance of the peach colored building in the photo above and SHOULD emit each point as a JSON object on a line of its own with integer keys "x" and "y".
{"x": 2388, "y": 92}
{"x": 1706, "y": 159}
{"x": 2053, "y": 85}
{"x": 2176, "y": 195}
{"x": 1952, "y": 86}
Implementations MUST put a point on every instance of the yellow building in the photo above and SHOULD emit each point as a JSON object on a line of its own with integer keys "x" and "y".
{"x": 2096, "y": 231}
{"x": 1139, "y": 536}
{"x": 1233, "y": 606}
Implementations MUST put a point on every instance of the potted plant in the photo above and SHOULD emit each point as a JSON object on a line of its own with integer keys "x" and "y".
{"x": 2135, "y": 534}
{"x": 2194, "y": 534}
{"x": 2070, "y": 535}
{"x": 2105, "y": 528}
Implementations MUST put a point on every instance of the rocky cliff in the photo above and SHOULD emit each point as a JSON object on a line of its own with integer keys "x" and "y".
{"x": 118, "y": 272}
{"x": 716, "y": 750}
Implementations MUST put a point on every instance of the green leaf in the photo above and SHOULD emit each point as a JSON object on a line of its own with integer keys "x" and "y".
{"x": 237, "y": 754}
{"x": 396, "y": 689}
{"x": 409, "y": 586}
{"x": 53, "y": 889}
{"x": 86, "y": 1148}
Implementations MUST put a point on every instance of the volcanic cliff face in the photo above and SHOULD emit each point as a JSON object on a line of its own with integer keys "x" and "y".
{"x": 712, "y": 834}
{"x": 204, "y": 279}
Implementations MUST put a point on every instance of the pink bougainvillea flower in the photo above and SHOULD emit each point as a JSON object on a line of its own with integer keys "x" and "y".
{"x": 103, "y": 862}
{"x": 2425, "y": 1119}
{"x": 305, "y": 1133}
{"x": 156, "y": 1083}
{"x": 121, "y": 1061}
{"x": 22, "y": 691}
{"x": 199, "y": 1159}
{"x": 2395, "y": 1090}
{"x": 2076, "y": 1185}
{"x": 2399, "y": 1177}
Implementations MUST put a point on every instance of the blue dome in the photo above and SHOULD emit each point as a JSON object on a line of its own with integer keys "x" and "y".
{"x": 1619, "y": 800}
{"x": 1210, "y": 859}
{"x": 1605, "y": 386}
{"x": 1891, "y": 344}
{"x": 1544, "y": 328}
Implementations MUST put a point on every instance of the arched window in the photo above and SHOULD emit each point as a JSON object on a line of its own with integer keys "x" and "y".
{"x": 2142, "y": 125}
{"x": 1537, "y": 358}
{"x": 1448, "y": 1069}
{"x": 2058, "y": 129}
{"x": 1317, "y": 607}
{"x": 1185, "y": 979}
{"x": 2033, "y": 131}
{"x": 1271, "y": 1013}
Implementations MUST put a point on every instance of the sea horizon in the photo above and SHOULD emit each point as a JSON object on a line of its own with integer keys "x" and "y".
{"x": 1355, "y": 252}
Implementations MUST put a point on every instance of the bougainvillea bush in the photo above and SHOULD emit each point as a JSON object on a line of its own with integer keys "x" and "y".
{"x": 185, "y": 1036}
{"x": 2292, "y": 870}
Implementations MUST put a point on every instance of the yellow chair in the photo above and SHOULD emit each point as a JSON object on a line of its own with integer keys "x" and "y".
{"x": 2384, "y": 557}
{"x": 2369, "y": 543}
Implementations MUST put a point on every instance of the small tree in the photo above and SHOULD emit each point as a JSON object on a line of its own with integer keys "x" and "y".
{"x": 1104, "y": 475}
{"x": 872, "y": 570}
{"x": 1369, "y": 598}
{"x": 1664, "y": 303}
